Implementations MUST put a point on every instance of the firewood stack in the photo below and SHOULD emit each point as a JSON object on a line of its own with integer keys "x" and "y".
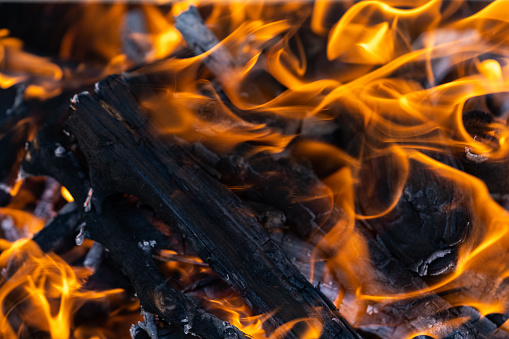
{"x": 308, "y": 211}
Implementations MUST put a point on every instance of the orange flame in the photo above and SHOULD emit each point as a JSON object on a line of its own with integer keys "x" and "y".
{"x": 66, "y": 194}
{"x": 44, "y": 288}
{"x": 404, "y": 71}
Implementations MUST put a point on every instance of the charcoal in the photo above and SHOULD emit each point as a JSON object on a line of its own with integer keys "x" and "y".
{"x": 431, "y": 219}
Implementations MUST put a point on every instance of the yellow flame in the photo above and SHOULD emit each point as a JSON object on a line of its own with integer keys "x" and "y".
{"x": 15, "y": 189}
{"x": 403, "y": 71}
{"x": 66, "y": 194}
{"x": 236, "y": 312}
{"x": 45, "y": 287}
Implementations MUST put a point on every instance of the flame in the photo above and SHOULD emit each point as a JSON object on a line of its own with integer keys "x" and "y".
{"x": 66, "y": 194}
{"x": 40, "y": 292}
{"x": 387, "y": 81}
{"x": 402, "y": 73}
{"x": 102, "y": 39}
{"x": 236, "y": 312}
{"x": 44, "y": 288}
{"x": 314, "y": 328}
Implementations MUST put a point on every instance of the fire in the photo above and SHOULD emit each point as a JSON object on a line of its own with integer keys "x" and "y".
{"x": 370, "y": 98}
{"x": 237, "y": 313}
{"x": 43, "y": 290}
{"x": 412, "y": 70}
{"x": 99, "y": 42}
{"x": 66, "y": 194}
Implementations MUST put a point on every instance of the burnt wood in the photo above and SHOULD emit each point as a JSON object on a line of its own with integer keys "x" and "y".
{"x": 276, "y": 182}
{"x": 125, "y": 155}
{"x": 123, "y": 242}
{"x": 134, "y": 256}
{"x": 416, "y": 314}
{"x": 60, "y": 231}
{"x": 429, "y": 222}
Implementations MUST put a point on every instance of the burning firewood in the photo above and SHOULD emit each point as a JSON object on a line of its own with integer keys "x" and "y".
{"x": 211, "y": 225}
{"x": 278, "y": 170}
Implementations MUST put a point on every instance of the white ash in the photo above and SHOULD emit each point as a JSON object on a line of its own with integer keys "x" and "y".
{"x": 148, "y": 325}
{"x": 5, "y": 188}
{"x": 422, "y": 267}
{"x": 371, "y": 309}
{"x": 74, "y": 99}
{"x": 133, "y": 330}
{"x": 11, "y": 232}
{"x": 59, "y": 151}
{"x": 18, "y": 100}
{"x": 147, "y": 245}
{"x": 187, "y": 328}
{"x": 22, "y": 174}
{"x": 477, "y": 158}
{"x": 80, "y": 238}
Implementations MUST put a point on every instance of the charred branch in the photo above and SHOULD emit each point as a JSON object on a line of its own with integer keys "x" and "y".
{"x": 201, "y": 39}
{"x": 224, "y": 66}
{"x": 134, "y": 256}
{"x": 60, "y": 231}
{"x": 173, "y": 306}
{"x": 109, "y": 126}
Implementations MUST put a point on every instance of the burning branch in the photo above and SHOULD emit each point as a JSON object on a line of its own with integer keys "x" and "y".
{"x": 319, "y": 162}
{"x": 202, "y": 40}
{"x": 218, "y": 228}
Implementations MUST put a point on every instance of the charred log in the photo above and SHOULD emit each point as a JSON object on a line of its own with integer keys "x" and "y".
{"x": 109, "y": 126}
{"x": 423, "y": 310}
{"x": 122, "y": 242}
{"x": 134, "y": 256}
{"x": 276, "y": 183}
{"x": 431, "y": 218}
{"x": 59, "y": 233}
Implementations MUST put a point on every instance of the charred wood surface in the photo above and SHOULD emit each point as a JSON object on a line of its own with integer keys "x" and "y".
{"x": 430, "y": 220}
{"x": 201, "y": 39}
{"x": 127, "y": 244}
{"x": 124, "y": 155}
{"x": 276, "y": 183}
{"x": 134, "y": 255}
{"x": 61, "y": 230}
{"x": 423, "y": 310}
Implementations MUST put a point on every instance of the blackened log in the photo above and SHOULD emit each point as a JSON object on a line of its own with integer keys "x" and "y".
{"x": 123, "y": 243}
{"x": 157, "y": 296}
{"x": 50, "y": 154}
{"x": 59, "y": 231}
{"x": 12, "y": 142}
{"x": 481, "y": 126}
{"x": 18, "y": 122}
{"x": 423, "y": 312}
{"x": 276, "y": 183}
{"x": 124, "y": 155}
{"x": 429, "y": 222}
{"x": 14, "y": 132}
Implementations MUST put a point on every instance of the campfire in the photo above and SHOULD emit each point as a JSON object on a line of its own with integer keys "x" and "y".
{"x": 293, "y": 169}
